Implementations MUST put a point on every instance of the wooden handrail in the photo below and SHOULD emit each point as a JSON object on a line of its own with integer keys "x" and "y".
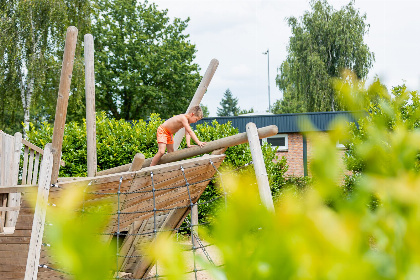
{"x": 32, "y": 146}
{"x": 18, "y": 188}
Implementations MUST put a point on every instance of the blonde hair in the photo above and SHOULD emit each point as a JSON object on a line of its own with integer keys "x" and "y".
{"x": 196, "y": 110}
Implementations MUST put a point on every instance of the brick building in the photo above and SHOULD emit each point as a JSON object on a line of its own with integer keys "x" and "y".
{"x": 290, "y": 141}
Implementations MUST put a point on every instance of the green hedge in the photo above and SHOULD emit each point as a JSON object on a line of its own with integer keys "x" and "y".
{"x": 118, "y": 141}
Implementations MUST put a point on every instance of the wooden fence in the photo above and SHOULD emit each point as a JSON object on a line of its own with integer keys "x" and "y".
{"x": 19, "y": 165}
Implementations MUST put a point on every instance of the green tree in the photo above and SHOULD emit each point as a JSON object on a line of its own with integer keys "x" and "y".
{"x": 205, "y": 109}
{"x": 144, "y": 62}
{"x": 32, "y": 37}
{"x": 229, "y": 105}
{"x": 245, "y": 111}
{"x": 324, "y": 42}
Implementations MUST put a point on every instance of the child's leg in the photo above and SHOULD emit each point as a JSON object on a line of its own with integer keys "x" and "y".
{"x": 159, "y": 154}
{"x": 170, "y": 148}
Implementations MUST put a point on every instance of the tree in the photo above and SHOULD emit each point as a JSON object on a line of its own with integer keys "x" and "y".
{"x": 144, "y": 62}
{"x": 31, "y": 50}
{"x": 324, "y": 42}
{"x": 205, "y": 109}
{"x": 229, "y": 105}
{"x": 245, "y": 111}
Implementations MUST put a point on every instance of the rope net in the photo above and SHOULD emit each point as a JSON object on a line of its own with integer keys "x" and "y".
{"x": 149, "y": 202}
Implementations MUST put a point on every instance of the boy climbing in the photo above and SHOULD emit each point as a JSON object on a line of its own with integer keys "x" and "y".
{"x": 165, "y": 132}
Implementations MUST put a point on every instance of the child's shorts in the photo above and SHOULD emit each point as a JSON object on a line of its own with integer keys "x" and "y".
{"x": 164, "y": 136}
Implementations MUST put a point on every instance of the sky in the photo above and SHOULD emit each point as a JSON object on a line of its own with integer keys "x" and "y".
{"x": 238, "y": 32}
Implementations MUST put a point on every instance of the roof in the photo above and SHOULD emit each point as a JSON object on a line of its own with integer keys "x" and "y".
{"x": 288, "y": 123}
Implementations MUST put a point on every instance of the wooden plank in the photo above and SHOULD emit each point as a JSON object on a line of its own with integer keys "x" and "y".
{"x": 18, "y": 188}
{"x": 31, "y": 166}
{"x": 9, "y": 208}
{"x": 35, "y": 176}
{"x": 25, "y": 165}
{"x": 14, "y": 198}
{"x": 127, "y": 243}
{"x": 2, "y": 163}
{"x": 39, "y": 216}
{"x": 32, "y": 146}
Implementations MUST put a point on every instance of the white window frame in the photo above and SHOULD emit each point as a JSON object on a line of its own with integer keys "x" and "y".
{"x": 286, "y": 142}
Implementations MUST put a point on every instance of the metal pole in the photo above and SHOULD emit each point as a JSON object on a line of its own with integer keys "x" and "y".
{"x": 268, "y": 72}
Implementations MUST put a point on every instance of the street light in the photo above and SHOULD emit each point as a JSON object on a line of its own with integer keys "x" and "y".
{"x": 268, "y": 71}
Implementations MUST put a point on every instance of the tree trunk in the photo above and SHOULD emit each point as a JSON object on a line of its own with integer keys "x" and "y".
{"x": 26, "y": 95}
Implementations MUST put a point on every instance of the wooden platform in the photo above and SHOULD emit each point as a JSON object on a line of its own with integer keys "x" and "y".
{"x": 172, "y": 198}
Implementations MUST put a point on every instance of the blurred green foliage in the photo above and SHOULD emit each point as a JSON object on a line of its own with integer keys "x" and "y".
{"x": 326, "y": 231}
{"x": 77, "y": 248}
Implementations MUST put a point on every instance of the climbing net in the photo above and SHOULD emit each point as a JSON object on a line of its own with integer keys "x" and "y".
{"x": 155, "y": 219}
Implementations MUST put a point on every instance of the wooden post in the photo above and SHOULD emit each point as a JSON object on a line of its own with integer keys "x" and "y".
{"x": 37, "y": 233}
{"x": 194, "y": 224}
{"x": 63, "y": 99}
{"x": 137, "y": 163}
{"x": 90, "y": 106}
{"x": 14, "y": 198}
{"x": 198, "y": 96}
{"x": 259, "y": 166}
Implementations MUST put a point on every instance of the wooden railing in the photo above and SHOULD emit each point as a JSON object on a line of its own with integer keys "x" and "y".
{"x": 32, "y": 156}
{"x": 13, "y": 173}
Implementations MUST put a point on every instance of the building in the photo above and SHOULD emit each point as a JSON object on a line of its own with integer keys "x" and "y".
{"x": 290, "y": 141}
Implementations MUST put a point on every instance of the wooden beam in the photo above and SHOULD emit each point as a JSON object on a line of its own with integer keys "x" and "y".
{"x": 18, "y": 188}
{"x": 10, "y": 208}
{"x": 234, "y": 140}
{"x": 37, "y": 233}
{"x": 259, "y": 166}
{"x": 63, "y": 99}
{"x": 90, "y": 106}
{"x": 198, "y": 96}
{"x": 230, "y": 141}
{"x": 137, "y": 163}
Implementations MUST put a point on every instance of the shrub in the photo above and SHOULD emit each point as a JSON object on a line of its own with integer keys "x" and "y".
{"x": 118, "y": 141}
{"x": 371, "y": 232}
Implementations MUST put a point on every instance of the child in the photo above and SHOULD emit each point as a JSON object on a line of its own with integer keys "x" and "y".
{"x": 165, "y": 132}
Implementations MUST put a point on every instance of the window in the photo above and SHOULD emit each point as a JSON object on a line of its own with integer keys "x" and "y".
{"x": 280, "y": 141}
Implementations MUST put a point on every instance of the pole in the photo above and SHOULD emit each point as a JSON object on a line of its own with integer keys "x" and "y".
{"x": 268, "y": 77}
{"x": 268, "y": 72}
{"x": 198, "y": 96}
{"x": 63, "y": 99}
{"x": 259, "y": 166}
{"x": 90, "y": 106}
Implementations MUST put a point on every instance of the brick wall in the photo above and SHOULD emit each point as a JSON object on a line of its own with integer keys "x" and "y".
{"x": 294, "y": 155}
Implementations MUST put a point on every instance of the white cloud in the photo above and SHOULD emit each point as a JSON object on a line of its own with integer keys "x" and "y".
{"x": 237, "y": 32}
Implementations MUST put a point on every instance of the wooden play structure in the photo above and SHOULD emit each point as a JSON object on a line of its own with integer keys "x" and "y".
{"x": 148, "y": 199}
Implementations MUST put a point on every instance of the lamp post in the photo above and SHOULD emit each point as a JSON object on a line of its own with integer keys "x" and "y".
{"x": 268, "y": 72}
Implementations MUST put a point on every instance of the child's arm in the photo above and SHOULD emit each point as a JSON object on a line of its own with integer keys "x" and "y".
{"x": 188, "y": 139}
{"x": 189, "y": 133}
